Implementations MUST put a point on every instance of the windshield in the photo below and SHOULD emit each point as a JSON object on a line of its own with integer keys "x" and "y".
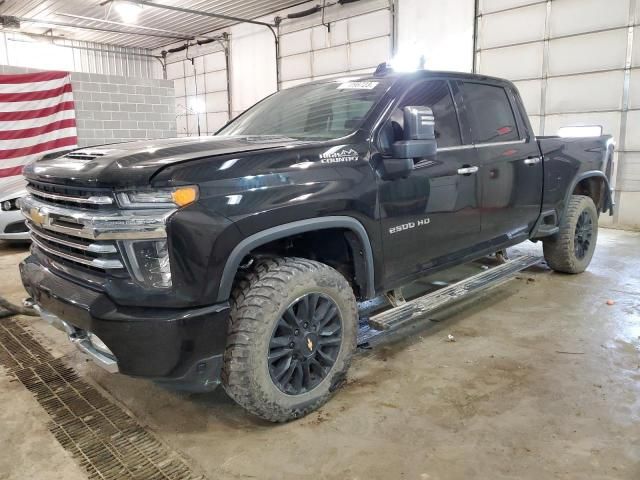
{"x": 311, "y": 112}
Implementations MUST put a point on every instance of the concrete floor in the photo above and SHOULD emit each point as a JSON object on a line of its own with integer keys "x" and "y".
{"x": 543, "y": 381}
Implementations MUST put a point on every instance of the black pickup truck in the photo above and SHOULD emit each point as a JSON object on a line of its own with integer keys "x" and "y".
{"x": 240, "y": 258}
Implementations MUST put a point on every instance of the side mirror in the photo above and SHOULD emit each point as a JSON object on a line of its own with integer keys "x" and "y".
{"x": 419, "y": 134}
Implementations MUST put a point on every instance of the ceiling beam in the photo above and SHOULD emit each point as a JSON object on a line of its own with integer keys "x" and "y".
{"x": 162, "y": 30}
{"x": 121, "y": 24}
{"x": 110, "y": 49}
{"x": 197, "y": 12}
{"x": 98, "y": 29}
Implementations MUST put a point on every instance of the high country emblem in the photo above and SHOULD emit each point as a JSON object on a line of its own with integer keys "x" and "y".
{"x": 339, "y": 156}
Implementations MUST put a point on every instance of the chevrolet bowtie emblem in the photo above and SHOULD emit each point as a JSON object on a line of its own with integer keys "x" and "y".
{"x": 37, "y": 217}
{"x": 309, "y": 344}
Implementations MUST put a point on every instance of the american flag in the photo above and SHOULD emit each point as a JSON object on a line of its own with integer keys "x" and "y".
{"x": 37, "y": 116}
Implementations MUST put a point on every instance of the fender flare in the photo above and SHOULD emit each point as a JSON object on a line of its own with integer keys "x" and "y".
{"x": 608, "y": 202}
{"x": 295, "y": 228}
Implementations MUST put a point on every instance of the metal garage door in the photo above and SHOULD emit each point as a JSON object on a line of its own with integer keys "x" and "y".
{"x": 357, "y": 40}
{"x": 203, "y": 95}
{"x": 575, "y": 63}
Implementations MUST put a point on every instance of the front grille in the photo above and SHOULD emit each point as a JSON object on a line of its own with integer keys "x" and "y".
{"x": 71, "y": 196}
{"x": 79, "y": 238}
{"x": 101, "y": 256}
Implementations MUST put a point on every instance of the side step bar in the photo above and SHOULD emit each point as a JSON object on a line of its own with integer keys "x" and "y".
{"x": 414, "y": 309}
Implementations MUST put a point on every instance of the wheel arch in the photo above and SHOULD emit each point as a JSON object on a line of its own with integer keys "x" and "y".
{"x": 263, "y": 237}
{"x": 593, "y": 184}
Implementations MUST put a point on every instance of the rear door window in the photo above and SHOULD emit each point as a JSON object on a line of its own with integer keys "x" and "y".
{"x": 489, "y": 113}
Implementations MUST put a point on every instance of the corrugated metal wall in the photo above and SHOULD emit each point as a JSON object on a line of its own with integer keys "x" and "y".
{"x": 87, "y": 57}
{"x": 576, "y": 62}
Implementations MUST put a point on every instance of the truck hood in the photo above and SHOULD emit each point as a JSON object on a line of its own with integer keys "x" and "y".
{"x": 135, "y": 163}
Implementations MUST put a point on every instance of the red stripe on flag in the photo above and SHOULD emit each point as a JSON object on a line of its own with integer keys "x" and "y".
{"x": 40, "y": 147}
{"x": 32, "y": 132}
{"x": 10, "y": 172}
{"x": 29, "y": 114}
{"x": 30, "y": 96}
{"x": 32, "y": 77}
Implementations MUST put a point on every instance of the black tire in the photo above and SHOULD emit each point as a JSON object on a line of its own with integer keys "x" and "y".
{"x": 262, "y": 303}
{"x": 571, "y": 249}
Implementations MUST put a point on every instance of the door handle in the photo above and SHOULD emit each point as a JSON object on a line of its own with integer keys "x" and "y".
{"x": 532, "y": 161}
{"x": 467, "y": 170}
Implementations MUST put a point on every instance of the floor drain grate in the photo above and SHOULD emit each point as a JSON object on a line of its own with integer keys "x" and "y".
{"x": 107, "y": 442}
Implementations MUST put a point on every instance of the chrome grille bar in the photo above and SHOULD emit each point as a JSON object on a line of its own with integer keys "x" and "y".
{"x": 92, "y": 247}
{"x": 93, "y": 200}
{"x": 102, "y": 225}
{"x": 105, "y": 264}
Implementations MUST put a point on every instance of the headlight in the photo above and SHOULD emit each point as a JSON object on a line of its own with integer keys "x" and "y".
{"x": 163, "y": 198}
{"x": 149, "y": 261}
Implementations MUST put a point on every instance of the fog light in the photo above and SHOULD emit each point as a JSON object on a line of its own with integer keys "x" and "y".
{"x": 149, "y": 260}
{"x": 99, "y": 345}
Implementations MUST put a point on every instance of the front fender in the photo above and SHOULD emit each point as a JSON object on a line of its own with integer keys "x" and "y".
{"x": 294, "y": 228}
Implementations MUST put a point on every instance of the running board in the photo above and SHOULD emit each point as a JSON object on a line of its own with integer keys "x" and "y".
{"x": 414, "y": 309}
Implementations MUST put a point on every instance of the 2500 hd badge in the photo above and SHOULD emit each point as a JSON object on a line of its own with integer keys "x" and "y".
{"x": 408, "y": 226}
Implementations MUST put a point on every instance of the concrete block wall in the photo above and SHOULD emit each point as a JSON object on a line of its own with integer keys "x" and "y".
{"x": 112, "y": 109}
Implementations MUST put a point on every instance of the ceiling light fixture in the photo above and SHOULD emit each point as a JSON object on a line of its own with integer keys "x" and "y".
{"x": 129, "y": 12}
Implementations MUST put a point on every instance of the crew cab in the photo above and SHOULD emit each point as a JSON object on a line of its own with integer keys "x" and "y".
{"x": 240, "y": 258}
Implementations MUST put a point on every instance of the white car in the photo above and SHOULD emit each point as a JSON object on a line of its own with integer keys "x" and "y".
{"x": 12, "y": 224}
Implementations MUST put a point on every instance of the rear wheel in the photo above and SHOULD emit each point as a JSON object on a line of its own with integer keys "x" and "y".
{"x": 291, "y": 338}
{"x": 571, "y": 249}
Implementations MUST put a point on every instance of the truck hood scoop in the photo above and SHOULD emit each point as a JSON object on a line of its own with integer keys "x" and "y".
{"x": 134, "y": 163}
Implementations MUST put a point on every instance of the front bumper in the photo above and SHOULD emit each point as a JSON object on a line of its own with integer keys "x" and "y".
{"x": 181, "y": 346}
{"x": 12, "y": 226}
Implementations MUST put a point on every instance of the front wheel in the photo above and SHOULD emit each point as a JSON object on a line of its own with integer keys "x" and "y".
{"x": 291, "y": 338}
{"x": 571, "y": 249}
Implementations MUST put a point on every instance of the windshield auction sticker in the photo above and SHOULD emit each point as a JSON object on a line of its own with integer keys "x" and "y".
{"x": 358, "y": 86}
